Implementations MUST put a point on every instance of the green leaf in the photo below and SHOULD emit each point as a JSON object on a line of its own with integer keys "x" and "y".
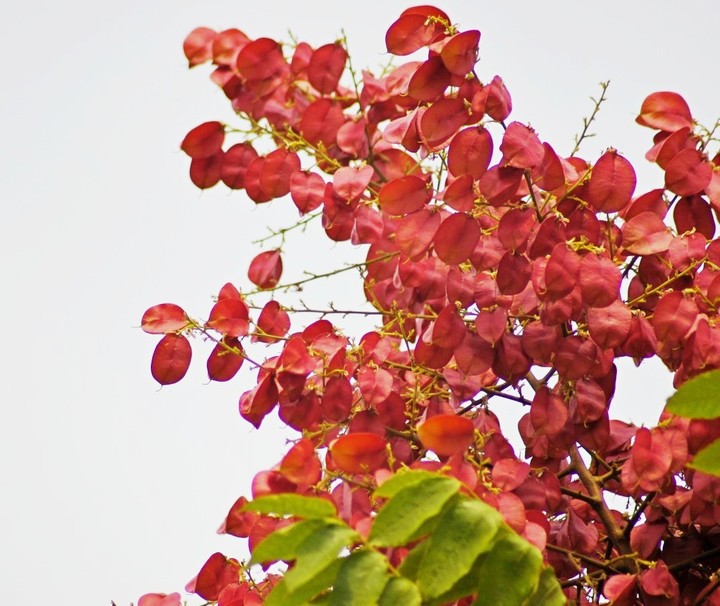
{"x": 465, "y": 530}
{"x": 464, "y": 587}
{"x": 361, "y": 579}
{"x": 407, "y": 511}
{"x": 400, "y": 591}
{"x": 510, "y": 573}
{"x": 707, "y": 460}
{"x": 317, "y": 552}
{"x": 291, "y": 504}
{"x": 283, "y": 544}
{"x": 405, "y": 478}
{"x": 698, "y": 398}
{"x": 411, "y": 564}
{"x": 281, "y": 595}
{"x": 549, "y": 592}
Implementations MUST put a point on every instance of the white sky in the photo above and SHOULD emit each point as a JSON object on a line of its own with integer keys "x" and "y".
{"x": 110, "y": 487}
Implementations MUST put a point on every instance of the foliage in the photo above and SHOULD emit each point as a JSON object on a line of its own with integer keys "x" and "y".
{"x": 498, "y": 270}
{"x": 699, "y": 398}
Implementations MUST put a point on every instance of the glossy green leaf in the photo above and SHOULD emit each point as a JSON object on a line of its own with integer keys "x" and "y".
{"x": 707, "y": 460}
{"x": 317, "y": 552}
{"x": 406, "y": 513}
{"x": 400, "y": 591}
{"x": 283, "y": 544}
{"x": 698, "y": 398}
{"x": 549, "y": 592}
{"x": 281, "y": 595}
{"x": 361, "y": 579}
{"x": 291, "y": 504}
{"x": 510, "y": 573}
{"x": 465, "y": 530}
{"x": 406, "y": 478}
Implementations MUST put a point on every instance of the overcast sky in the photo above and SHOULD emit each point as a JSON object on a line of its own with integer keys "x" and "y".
{"x": 110, "y": 487}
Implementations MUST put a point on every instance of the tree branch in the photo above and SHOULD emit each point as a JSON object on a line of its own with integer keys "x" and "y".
{"x": 615, "y": 534}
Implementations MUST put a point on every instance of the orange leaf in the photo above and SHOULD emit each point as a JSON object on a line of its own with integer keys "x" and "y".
{"x": 360, "y": 452}
{"x": 226, "y": 46}
{"x": 612, "y": 183}
{"x": 646, "y": 234}
{"x": 414, "y": 29}
{"x": 446, "y": 434}
{"x": 404, "y": 195}
{"x": 459, "y": 54}
{"x": 456, "y": 238}
{"x": 521, "y": 147}
{"x": 688, "y": 173}
{"x": 265, "y": 269}
{"x": 260, "y": 59}
{"x": 164, "y": 318}
{"x": 429, "y": 80}
{"x": 160, "y": 599}
{"x": 229, "y": 317}
{"x": 198, "y": 45}
{"x": 215, "y": 574}
{"x": 441, "y": 121}
{"x": 666, "y": 111}
{"x": 272, "y": 324}
{"x": 307, "y": 190}
{"x": 470, "y": 152}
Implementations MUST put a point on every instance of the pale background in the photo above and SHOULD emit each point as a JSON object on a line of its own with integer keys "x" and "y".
{"x": 110, "y": 487}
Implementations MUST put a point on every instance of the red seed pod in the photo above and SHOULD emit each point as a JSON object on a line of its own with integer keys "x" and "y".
{"x": 171, "y": 359}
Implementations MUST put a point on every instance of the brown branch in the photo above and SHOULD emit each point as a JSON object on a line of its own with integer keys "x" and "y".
{"x": 614, "y": 532}
{"x": 694, "y": 560}
{"x": 638, "y": 512}
{"x": 574, "y": 494}
{"x": 583, "y": 558}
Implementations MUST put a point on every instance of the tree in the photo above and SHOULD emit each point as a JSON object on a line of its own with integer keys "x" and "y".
{"x": 495, "y": 270}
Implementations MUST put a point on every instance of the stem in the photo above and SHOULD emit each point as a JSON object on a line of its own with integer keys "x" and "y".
{"x": 508, "y": 396}
{"x": 615, "y": 533}
{"x": 694, "y": 560}
{"x": 637, "y": 513}
{"x": 534, "y": 383}
{"x": 630, "y": 266}
{"x": 195, "y": 325}
{"x": 326, "y": 312}
{"x": 328, "y": 274}
{"x": 664, "y": 285}
{"x": 588, "y": 121}
{"x": 709, "y": 135}
{"x": 579, "y": 556}
{"x": 536, "y": 206}
{"x": 281, "y": 232}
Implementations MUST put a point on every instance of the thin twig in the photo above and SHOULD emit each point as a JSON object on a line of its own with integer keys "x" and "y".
{"x": 588, "y": 121}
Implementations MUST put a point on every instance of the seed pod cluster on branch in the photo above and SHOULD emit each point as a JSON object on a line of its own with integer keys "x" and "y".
{"x": 501, "y": 274}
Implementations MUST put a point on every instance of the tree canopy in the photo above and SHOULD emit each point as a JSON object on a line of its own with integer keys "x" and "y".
{"x": 496, "y": 270}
